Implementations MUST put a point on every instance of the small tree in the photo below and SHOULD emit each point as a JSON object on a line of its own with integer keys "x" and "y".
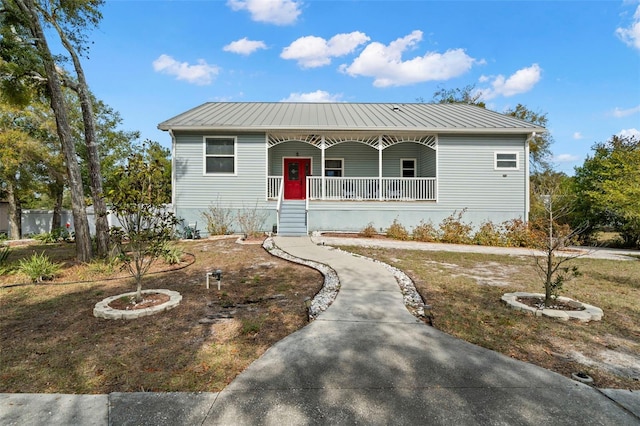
{"x": 137, "y": 197}
{"x": 552, "y": 236}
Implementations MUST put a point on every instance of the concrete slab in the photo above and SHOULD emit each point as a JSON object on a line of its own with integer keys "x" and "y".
{"x": 53, "y": 409}
{"x": 629, "y": 399}
{"x": 159, "y": 409}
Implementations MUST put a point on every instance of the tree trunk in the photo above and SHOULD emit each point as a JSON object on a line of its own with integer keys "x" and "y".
{"x": 57, "y": 193}
{"x": 15, "y": 213}
{"x": 81, "y": 224}
{"x": 93, "y": 158}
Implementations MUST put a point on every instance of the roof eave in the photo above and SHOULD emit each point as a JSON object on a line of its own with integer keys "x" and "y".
{"x": 481, "y": 130}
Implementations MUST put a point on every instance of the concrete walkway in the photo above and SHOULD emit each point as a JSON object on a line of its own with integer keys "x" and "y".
{"x": 366, "y": 360}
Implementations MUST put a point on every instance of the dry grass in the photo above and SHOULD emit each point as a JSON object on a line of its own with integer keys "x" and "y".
{"x": 464, "y": 291}
{"x": 51, "y": 342}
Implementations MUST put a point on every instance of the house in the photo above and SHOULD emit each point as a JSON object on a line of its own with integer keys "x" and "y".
{"x": 342, "y": 166}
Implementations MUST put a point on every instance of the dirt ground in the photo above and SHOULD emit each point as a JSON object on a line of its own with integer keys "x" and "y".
{"x": 51, "y": 342}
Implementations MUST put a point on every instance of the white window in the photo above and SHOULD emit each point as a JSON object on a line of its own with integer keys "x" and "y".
{"x": 506, "y": 161}
{"x": 333, "y": 167}
{"x": 219, "y": 155}
{"x": 408, "y": 167}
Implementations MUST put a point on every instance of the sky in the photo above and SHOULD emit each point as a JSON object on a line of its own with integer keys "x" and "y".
{"x": 576, "y": 61}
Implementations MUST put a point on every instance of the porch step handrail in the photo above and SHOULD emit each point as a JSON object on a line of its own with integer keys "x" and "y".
{"x": 368, "y": 188}
{"x": 279, "y": 203}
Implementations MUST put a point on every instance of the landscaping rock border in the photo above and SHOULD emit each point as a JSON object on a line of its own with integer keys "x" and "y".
{"x": 103, "y": 310}
{"x": 589, "y": 313}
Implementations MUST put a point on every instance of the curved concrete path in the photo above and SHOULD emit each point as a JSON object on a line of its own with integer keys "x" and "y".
{"x": 367, "y": 360}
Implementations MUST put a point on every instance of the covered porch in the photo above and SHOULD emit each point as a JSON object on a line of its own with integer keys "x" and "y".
{"x": 352, "y": 167}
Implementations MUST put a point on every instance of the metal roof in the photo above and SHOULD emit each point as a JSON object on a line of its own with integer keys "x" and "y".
{"x": 283, "y": 116}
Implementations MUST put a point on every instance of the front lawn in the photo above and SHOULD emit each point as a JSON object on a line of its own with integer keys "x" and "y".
{"x": 464, "y": 291}
{"x": 51, "y": 342}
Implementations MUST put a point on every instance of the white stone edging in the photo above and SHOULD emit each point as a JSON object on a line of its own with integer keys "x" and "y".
{"x": 590, "y": 312}
{"x": 103, "y": 310}
{"x": 330, "y": 287}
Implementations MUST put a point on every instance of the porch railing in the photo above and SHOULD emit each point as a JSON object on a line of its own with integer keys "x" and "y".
{"x": 273, "y": 187}
{"x": 385, "y": 189}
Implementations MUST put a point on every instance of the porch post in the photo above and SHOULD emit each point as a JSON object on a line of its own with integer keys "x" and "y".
{"x": 380, "y": 167}
{"x": 322, "y": 147}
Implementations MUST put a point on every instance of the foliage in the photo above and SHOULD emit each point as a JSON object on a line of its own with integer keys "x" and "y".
{"x": 517, "y": 233}
{"x": 607, "y": 188}
{"x": 172, "y": 254}
{"x": 454, "y": 231}
{"x": 251, "y": 221}
{"x": 540, "y": 144}
{"x": 219, "y": 219}
{"x": 553, "y": 236}
{"x": 368, "y": 231}
{"x": 38, "y": 267}
{"x": 55, "y": 236}
{"x": 137, "y": 198}
{"x": 488, "y": 235}
{"x": 397, "y": 231}
{"x": 467, "y": 95}
{"x": 425, "y": 232}
{"x": 4, "y": 257}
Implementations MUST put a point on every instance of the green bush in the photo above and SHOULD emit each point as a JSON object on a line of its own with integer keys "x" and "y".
{"x": 425, "y": 232}
{"x": 368, "y": 231}
{"x": 489, "y": 235}
{"x": 397, "y": 231}
{"x": 172, "y": 254}
{"x": 4, "y": 257}
{"x": 518, "y": 234}
{"x": 454, "y": 231}
{"x": 38, "y": 267}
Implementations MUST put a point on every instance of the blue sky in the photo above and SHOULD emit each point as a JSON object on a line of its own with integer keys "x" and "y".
{"x": 577, "y": 61}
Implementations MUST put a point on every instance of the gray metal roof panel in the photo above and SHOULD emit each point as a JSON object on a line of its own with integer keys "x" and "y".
{"x": 275, "y": 116}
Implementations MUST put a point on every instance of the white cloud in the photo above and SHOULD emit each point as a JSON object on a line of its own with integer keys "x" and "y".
{"x": 627, "y": 133}
{"x": 312, "y": 51}
{"x": 200, "y": 74}
{"x": 620, "y": 113}
{"x": 565, "y": 158}
{"x": 317, "y": 96}
{"x": 631, "y": 35}
{"x": 385, "y": 64}
{"x": 521, "y": 81}
{"x": 244, "y": 46}
{"x": 578, "y": 136}
{"x": 278, "y": 12}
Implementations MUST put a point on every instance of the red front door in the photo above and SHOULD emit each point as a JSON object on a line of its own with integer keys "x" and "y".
{"x": 296, "y": 171}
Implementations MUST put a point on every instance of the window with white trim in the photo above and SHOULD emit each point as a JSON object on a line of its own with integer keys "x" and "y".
{"x": 506, "y": 161}
{"x": 219, "y": 155}
{"x": 333, "y": 167}
{"x": 408, "y": 167}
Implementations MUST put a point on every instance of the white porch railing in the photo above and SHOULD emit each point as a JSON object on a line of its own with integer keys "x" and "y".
{"x": 273, "y": 187}
{"x": 401, "y": 189}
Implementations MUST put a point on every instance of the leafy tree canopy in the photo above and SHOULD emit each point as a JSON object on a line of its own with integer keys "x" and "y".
{"x": 608, "y": 187}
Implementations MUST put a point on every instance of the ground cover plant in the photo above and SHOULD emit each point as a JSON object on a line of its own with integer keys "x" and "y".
{"x": 464, "y": 290}
{"x": 51, "y": 342}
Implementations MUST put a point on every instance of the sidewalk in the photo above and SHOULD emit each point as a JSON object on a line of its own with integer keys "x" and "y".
{"x": 366, "y": 360}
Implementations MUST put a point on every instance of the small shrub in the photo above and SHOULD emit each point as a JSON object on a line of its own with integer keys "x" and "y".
{"x": 219, "y": 220}
{"x": 397, "y": 231}
{"x": 425, "y": 232}
{"x": 172, "y": 254}
{"x": 454, "y": 231}
{"x": 368, "y": 231}
{"x": 105, "y": 266}
{"x": 4, "y": 257}
{"x": 251, "y": 221}
{"x": 38, "y": 267}
{"x": 518, "y": 234}
{"x": 488, "y": 235}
